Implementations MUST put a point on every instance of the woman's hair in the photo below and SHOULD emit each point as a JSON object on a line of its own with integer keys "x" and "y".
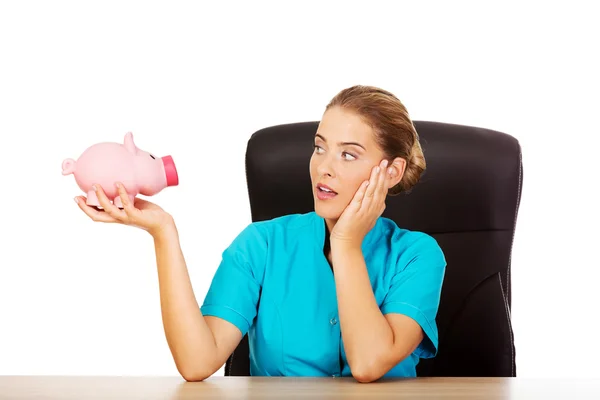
{"x": 394, "y": 131}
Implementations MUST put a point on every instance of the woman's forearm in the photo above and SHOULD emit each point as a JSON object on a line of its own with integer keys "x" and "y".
{"x": 190, "y": 339}
{"x": 368, "y": 337}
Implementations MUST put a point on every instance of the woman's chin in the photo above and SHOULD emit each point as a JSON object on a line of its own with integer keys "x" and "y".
{"x": 326, "y": 211}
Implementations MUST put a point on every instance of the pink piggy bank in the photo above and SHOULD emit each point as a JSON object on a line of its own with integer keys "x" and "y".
{"x": 107, "y": 163}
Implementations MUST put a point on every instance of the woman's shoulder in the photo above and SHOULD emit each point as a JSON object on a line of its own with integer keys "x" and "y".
{"x": 271, "y": 229}
{"x": 406, "y": 247}
{"x": 288, "y": 221}
{"x": 403, "y": 239}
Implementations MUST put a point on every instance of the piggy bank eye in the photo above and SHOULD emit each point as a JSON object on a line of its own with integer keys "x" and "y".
{"x": 154, "y": 158}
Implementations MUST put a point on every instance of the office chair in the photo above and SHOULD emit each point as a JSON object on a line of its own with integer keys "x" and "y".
{"x": 467, "y": 199}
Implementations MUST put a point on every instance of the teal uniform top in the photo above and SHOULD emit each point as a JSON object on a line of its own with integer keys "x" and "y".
{"x": 275, "y": 283}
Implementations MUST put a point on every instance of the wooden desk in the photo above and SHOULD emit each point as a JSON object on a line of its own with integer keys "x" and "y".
{"x": 219, "y": 387}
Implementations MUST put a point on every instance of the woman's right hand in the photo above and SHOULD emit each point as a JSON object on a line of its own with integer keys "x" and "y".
{"x": 143, "y": 214}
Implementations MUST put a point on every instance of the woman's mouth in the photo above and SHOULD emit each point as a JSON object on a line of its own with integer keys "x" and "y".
{"x": 324, "y": 192}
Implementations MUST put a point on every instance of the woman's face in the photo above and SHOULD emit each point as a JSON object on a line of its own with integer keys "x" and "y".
{"x": 344, "y": 156}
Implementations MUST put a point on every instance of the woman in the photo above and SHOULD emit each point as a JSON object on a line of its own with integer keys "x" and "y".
{"x": 340, "y": 291}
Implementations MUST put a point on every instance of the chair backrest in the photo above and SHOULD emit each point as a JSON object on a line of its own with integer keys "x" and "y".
{"x": 467, "y": 199}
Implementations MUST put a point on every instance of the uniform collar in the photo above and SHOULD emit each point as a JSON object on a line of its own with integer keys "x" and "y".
{"x": 320, "y": 226}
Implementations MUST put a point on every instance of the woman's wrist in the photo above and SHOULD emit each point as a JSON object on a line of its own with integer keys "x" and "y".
{"x": 165, "y": 229}
{"x": 344, "y": 246}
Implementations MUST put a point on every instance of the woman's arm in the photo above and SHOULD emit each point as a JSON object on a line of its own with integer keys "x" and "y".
{"x": 374, "y": 343}
{"x": 199, "y": 345}
{"x": 376, "y": 340}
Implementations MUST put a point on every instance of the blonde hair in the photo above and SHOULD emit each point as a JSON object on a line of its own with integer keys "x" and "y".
{"x": 394, "y": 130}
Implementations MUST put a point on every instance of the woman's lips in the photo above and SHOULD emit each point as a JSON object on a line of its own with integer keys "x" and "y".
{"x": 324, "y": 192}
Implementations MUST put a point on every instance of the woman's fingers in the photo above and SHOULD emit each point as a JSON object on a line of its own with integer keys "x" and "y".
{"x": 380, "y": 191}
{"x": 360, "y": 195}
{"x": 129, "y": 208}
{"x": 383, "y": 177}
{"x": 373, "y": 181}
{"x": 93, "y": 213}
{"x": 382, "y": 181}
{"x": 109, "y": 207}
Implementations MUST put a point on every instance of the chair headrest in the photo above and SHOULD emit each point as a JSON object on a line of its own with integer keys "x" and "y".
{"x": 472, "y": 181}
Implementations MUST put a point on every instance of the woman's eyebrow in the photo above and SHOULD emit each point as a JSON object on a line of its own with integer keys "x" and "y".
{"x": 342, "y": 143}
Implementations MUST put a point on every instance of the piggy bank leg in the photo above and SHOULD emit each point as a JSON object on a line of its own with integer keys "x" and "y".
{"x": 117, "y": 201}
{"x": 92, "y": 200}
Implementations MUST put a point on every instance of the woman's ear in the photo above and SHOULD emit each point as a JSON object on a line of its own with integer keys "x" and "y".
{"x": 398, "y": 167}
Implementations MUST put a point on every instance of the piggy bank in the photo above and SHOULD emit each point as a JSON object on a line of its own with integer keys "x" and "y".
{"x": 107, "y": 163}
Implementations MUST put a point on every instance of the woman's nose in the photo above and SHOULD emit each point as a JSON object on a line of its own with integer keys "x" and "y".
{"x": 325, "y": 167}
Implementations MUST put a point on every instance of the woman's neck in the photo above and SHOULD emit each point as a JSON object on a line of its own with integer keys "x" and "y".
{"x": 329, "y": 224}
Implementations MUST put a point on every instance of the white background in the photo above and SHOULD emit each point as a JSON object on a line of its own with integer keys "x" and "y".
{"x": 196, "y": 79}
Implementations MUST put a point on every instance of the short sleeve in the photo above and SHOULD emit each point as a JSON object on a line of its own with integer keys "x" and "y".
{"x": 416, "y": 287}
{"x": 235, "y": 289}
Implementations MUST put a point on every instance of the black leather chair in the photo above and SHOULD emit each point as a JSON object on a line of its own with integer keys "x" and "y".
{"x": 467, "y": 199}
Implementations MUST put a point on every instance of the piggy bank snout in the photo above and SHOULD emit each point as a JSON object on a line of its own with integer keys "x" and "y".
{"x": 170, "y": 171}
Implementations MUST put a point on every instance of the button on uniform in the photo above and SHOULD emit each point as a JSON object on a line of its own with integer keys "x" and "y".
{"x": 333, "y": 321}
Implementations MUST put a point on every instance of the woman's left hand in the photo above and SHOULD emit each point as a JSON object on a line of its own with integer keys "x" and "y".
{"x": 366, "y": 206}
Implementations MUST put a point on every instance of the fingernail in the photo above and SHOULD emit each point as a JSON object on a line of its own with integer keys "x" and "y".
{"x": 385, "y": 163}
{"x": 118, "y": 185}
{"x": 390, "y": 170}
{"x": 94, "y": 188}
{"x": 377, "y": 170}
{"x": 76, "y": 200}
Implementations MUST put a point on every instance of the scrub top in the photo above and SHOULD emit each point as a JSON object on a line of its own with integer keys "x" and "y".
{"x": 275, "y": 283}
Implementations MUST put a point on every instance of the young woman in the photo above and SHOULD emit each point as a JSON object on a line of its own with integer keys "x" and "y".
{"x": 340, "y": 291}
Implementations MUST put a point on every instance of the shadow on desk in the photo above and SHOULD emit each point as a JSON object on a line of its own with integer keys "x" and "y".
{"x": 342, "y": 388}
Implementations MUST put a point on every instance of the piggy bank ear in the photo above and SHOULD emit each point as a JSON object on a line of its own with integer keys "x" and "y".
{"x": 128, "y": 142}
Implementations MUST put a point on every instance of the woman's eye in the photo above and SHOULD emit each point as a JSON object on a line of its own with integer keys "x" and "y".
{"x": 348, "y": 156}
{"x": 154, "y": 158}
{"x": 318, "y": 149}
